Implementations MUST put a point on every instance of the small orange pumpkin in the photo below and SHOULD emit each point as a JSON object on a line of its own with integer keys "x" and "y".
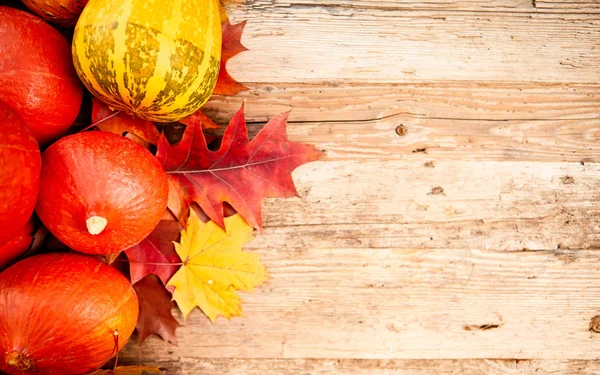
{"x": 101, "y": 193}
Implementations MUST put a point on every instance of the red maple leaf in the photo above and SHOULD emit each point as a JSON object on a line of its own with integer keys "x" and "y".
{"x": 156, "y": 253}
{"x": 155, "y": 310}
{"x": 241, "y": 172}
{"x": 231, "y": 46}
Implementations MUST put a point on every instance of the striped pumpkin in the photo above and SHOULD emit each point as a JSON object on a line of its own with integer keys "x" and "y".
{"x": 154, "y": 59}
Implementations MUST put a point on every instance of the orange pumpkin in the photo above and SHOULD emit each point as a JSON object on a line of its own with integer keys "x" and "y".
{"x": 101, "y": 193}
{"x": 20, "y": 165}
{"x": 38, "y": 79}
{"x": 63, "y": 314}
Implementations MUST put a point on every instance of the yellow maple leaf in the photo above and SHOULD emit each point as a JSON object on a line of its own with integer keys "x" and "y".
{"x": 215, "y": 267}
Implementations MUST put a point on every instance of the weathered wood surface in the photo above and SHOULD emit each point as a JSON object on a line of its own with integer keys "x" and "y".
{"x": 354, "y": 102}
{"x": 524, "y": 6}
{"x": 329, "y": 44}
{"x": 528, "y": 122}
{"x": 454, "y": 225}
{"x": 237, "y": 366}
{"x": 397, "y": 303}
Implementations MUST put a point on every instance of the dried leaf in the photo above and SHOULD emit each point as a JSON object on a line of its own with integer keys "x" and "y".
{"x": 241, "y": 173}
{"x": 123, "y": 123}
{"x": 155, "y": 310}
{"x": 215, "y": 267}
{"x": 232, "y": 46}
{"x": 156, "y": 253}
{"x": 129, "y": 370}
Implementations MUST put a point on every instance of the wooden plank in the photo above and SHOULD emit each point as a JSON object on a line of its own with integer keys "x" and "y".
{"x": 572, "y": 6}
{"x": 494, "y": 189}
{"x": 455, "y": 204}
{"x": 510, "y": 234}
{"x": 432, "y": 6}
{"x": 405, "y": 304}
{"x": 337, "y": 44}
{"x": 477, "y": 140}
{"x": 431, "y": 100}
{"x": 583, "y": 6}
{"x": 236, "y": 366}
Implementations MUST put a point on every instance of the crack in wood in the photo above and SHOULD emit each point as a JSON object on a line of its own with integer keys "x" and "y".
{"x": 482, "y": 327}
{"x": 351, "y": 9}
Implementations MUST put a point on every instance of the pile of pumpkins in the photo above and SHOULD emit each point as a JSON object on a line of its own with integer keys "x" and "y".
{"x": 98, "y": 193}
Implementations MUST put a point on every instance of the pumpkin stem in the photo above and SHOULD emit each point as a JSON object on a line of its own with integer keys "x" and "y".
{"x": 18, "y": 361}
{"x": 96, "y": 224}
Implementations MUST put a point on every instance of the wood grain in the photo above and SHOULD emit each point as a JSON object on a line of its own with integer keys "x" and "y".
{"x": 440, "y": 100}
{"x": 491, "y": 205}
{"x": 580, "y": 6}
{"x": 235, "y": 366}
{"x": 531, "y": 6}
{"x": 455, "y": 217}
{"x": 330, "y": 45}
{"x": 440, "y": 121}
{"x": 406, "y": 304}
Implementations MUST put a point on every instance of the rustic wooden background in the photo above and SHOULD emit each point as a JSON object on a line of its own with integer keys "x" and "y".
{"x": 453, "y": 226}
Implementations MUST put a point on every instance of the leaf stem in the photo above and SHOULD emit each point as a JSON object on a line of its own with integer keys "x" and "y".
{"x": 102, "y": 120}
{"x": 116, "y": 337}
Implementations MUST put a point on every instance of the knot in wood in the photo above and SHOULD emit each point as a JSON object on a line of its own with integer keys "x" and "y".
{"x": 595, "y": 324}
{"x": 401, "y": 130}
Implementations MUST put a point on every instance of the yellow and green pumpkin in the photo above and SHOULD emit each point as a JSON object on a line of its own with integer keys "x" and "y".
{"x": 154, "y": 59}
